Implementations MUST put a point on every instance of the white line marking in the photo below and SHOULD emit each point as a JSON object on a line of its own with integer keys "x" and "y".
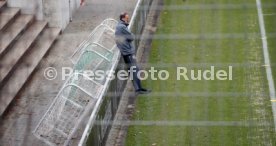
{"x": 266, "y": 65}
{"x": 184, "y": 123}
{"x": 266, "y": 60}
{"x": 269, "y": 14}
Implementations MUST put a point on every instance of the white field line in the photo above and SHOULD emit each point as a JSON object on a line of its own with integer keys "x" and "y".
{"x": 210, "y": 7}
{"x": 266, "y": 60}
{"x": 269, "y": 14}
{"x": 184, "y": 123}
{"x": 185, "y": 95}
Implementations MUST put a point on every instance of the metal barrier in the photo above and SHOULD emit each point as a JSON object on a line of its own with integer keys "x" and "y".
{"x": 82, "y": 95}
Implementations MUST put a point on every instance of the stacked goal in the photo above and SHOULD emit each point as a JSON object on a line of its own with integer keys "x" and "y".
{"x": 80, "y": 91}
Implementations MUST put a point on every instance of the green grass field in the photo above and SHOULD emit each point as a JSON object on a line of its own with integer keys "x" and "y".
{"x": 202, "y": 34}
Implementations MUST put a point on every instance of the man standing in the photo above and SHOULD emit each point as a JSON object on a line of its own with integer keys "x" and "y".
{"x": 124, "y": 39}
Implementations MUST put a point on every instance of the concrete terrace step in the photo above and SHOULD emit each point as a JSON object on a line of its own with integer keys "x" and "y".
{"x": 25, "y": 68}
{"x": 11, "y": 58}
{"x": 13, "y": 31}
{"x": 2, "y": 4}
{"x": 7, "y": 15}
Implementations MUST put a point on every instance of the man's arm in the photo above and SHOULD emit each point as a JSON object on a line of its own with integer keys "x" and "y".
{"x": 129, "y": 36}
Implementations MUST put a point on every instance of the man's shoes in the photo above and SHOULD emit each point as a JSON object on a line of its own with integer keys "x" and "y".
{"x": 143, "y": 91}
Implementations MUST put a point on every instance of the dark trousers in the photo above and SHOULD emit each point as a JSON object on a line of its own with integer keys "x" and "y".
{"x": 131, "y": 63}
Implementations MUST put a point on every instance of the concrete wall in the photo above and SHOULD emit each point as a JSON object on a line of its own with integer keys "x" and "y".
{"x": 56, "y": 12}
{"x": 28, "y": 7}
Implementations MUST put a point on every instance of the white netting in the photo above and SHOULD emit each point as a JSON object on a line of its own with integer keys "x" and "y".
{"x": 110, "y": 22}
{"x": 102, "y": 35}
{"x": 80, "y": 91}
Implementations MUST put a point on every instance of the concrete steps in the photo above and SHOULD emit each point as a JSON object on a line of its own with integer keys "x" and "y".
{"x": 11, "y": 58}
{"x": 7, "y": 15}
{"x": 23, "y": 43}
{"x": 26, "y": 67}
{"x": 2, "y": 4}
{"x": 43, "y": 44}
{"x": 9, "y": 35}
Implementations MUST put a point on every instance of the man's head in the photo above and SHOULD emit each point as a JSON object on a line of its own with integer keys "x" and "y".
{"x": 124, "y": 17}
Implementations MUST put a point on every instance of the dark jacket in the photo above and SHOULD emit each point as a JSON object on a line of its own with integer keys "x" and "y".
{"x": 124, "y": 39}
